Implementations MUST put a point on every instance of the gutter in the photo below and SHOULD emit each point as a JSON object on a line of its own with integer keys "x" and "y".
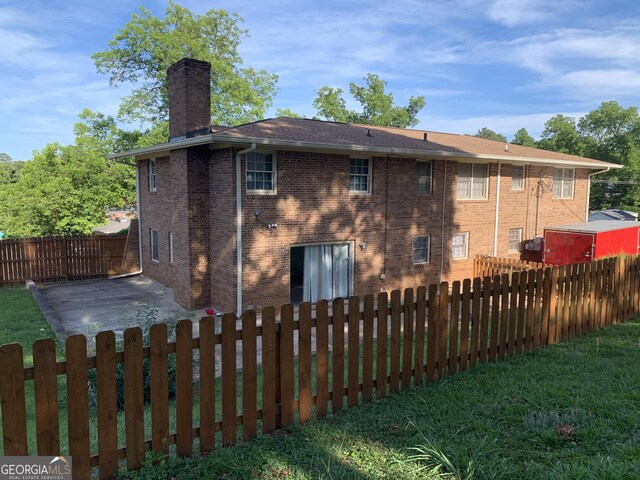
{"x": 139, "y": 271}
{"x": 495, "y": 226}
{"x": 586, "y": 215}
{"x": 413, "y": 153}
{"x": 252, "y": 148}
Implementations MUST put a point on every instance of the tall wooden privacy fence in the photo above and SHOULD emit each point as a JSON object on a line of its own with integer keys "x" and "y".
{"x": 485, "y": 266}
{"x": 364, "y": 350}
{"x": 60, "y": 258}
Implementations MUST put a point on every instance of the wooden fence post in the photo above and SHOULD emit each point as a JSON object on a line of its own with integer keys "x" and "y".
{"x": 407, "y": 343}
{"x": 12, "y": 400}
{"x": 107, "y": 404}
{"x": 184, "y": 388}
{"x": 229, "y": 418}
{"x": 78, "y": 406}
{"x": 250, "y": 374}
{"x": 269, "y": 374}
{"x": 45, "y": 378}
{"x": 381, "y": 344}
{"x": 133, "y": 398}
{"x": 353, "y": 360}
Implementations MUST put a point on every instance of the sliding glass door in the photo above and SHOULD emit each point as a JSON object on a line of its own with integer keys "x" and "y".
{"x": 321, "y": 272}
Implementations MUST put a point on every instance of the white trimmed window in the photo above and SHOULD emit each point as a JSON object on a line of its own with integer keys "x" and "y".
{"x": 261, "y": 173}
{"x": 563, "y": 182}
{"x": 515, "y": 240}
{"x": 423, "y": 177}
{"x": 154, "y": 244}
{"x": 517, "y": 177}
{"x": 460, "y": 245}
{"x": 421, "y": 245}
{"x": 153, "y": 180}
{"x": 170, "y": 247}
{"x": 360, "y": 175}
{"x": 473, "y": 181}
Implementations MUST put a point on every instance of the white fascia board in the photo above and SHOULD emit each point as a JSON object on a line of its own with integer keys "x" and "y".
{"x": 436, "y": 154}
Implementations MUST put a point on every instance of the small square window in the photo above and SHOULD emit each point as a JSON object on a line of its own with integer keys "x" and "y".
{"x": 423, "y": 177}
{"x": 515, "y": 240}
{"x": 261, "y": 173}
{"x": 517, "y": 177}
{"x": 153, "y": 180}
{"x": 421, "y": 246}
{"x": 154, "y": 245}
{"x": 460, "y": 245}
{"x": 360, "y": 175}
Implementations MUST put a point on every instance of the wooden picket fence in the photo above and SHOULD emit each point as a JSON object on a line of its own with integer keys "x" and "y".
{"x": 486, "y": 266}
{"x": 60, "y": 258}
{"x": 424, "y": 334}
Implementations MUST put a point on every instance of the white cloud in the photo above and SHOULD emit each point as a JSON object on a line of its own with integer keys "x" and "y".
{"x": 512, "y": 13}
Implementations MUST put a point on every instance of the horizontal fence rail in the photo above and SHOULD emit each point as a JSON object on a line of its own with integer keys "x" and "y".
{"x": 365, "y": 348}
{"x": 486, "y": 266}
{"x": 60, "y": 258}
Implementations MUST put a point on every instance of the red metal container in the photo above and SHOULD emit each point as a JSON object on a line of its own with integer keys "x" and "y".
{"x": 583, "y": 242}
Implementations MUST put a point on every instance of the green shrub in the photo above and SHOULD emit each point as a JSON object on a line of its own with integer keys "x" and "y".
{"x": 144, "y": 316}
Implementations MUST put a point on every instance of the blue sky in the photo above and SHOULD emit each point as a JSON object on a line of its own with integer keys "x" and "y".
{"x": 503, "y": 64}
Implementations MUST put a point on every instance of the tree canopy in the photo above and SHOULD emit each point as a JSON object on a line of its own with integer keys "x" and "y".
{"x": 140, "y": 53}
{"x": 377, "y": 105}
{"x": 523, "y": 138}
{"x": 9, "y": 169}
{"x": 489, "y": 134}
{"x": 65, "y": 190}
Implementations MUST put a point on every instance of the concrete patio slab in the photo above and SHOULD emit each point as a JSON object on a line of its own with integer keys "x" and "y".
{"x": 109, "y": 304}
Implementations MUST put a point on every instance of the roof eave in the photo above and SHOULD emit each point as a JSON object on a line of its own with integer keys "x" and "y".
{"x": 164, "y": 148}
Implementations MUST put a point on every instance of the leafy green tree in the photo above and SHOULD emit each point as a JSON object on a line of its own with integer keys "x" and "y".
{"x": 561, "y": 134}
{"x": 523, "y": 138}
{"x": 612, "y": 133}
{"x": 140, "y": 53}
{"x": 489, "y": 134}
{"x": 287, "y": 112}
{"x": 377, "y": 105}
{"x": 64, "y": 190}
{"x": 9, "y": 169}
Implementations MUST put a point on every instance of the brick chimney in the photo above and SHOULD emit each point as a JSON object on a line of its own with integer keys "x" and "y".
{"x": 189, "y": 98}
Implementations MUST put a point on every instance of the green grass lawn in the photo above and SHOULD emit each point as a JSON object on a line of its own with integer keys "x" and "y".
{"x": 569, "y": 411}
{"x": 21, "y": 320}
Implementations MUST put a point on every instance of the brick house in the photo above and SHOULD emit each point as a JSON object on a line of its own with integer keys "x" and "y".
{"x": 323, "y": 209}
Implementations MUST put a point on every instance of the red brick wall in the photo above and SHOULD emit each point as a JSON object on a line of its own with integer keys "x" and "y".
{"x": 313, "y": 205}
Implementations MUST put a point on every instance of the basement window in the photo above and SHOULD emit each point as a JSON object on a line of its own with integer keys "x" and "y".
{"x": 460, "y": 245}
{"x": 515, "y": 240}
{"x": 154, "y": 245}
{"x": 421, "y": 249}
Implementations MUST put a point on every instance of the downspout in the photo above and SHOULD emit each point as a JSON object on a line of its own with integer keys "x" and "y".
{"x": 252, "y": 148}
{"x": 137, "y": 272}
{"x": 444, "y": 196}
{"x": 495, "y": 227}
{"x": 586, "y": 216}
